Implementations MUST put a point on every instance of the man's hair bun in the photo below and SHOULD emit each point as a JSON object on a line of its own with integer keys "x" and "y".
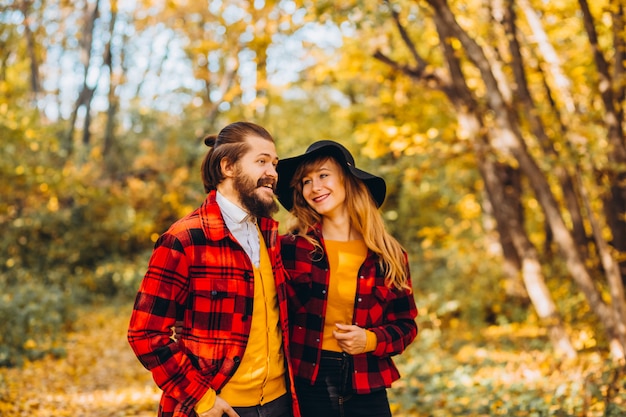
{"x": 209, "y": 140}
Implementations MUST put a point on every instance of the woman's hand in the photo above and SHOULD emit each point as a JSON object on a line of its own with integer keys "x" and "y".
{"x": 351, "y": 338}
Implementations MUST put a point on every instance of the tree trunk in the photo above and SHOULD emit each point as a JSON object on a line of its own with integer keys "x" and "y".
{"x": 86, "y": 94}
{"x": 511, "y": 262}
{"x": 113, "y": 100}
{"x": 35, "y": 83}
{"x": 507, "y": 214}
{"x": 612, "y": 91}
{"x": 610, "y": 265}
{"x": 529, "y": 110}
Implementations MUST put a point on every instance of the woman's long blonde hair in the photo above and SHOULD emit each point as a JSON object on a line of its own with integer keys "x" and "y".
{"x": 364, "y": 217}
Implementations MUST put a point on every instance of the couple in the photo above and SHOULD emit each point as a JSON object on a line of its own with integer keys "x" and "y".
{"x": 234, "y": 320}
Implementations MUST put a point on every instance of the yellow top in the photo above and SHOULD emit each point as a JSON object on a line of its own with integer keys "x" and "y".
{"x": 260, "y": 377}
{"x": 345, "y": 260}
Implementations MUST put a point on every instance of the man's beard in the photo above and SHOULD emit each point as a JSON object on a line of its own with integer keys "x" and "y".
{"x": 254, "y": 204}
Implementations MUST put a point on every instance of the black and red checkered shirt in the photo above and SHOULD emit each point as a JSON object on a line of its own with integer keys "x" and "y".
{"x": 200, "y": 282}
{"x": 388, "y": 312}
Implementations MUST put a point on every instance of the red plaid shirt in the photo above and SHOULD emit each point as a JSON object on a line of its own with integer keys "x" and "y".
{"x": 200, "y": 283}
{"x": 389, "y": 313}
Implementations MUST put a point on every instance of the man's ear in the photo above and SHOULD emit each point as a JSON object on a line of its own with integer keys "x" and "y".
{"x": 227, "y": 168}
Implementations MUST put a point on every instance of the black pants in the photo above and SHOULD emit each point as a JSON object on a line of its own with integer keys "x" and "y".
{"x": 332, "y": 394}
{"x": 280, "y": 407}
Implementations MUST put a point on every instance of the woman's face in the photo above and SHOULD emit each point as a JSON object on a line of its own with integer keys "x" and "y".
{"x": 323, "y": 188}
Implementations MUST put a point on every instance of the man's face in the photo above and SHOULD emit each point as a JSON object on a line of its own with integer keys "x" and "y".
{"x": 255, "y": 177}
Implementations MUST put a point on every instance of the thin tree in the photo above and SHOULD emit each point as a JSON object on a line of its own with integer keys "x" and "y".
{"x": 91, "y": 13}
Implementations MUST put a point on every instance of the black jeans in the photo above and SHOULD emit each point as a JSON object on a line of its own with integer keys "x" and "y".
{"x": 332, "y": 394}
{"x": 280, "y": 407}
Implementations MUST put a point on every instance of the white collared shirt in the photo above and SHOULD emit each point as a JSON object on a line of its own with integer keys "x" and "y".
{"x": 242, "y": 225}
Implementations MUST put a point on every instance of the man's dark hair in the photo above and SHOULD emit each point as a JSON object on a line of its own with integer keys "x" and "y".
{"x": 229, "y": 143}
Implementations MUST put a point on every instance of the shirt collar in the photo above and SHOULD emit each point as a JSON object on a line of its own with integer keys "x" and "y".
{"x": 231, "y": 210}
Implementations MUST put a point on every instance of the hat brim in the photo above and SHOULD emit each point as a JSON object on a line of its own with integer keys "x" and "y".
{"x": 287, "y": 167}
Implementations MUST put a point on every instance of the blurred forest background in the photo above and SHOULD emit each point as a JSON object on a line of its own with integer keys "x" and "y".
{"x": 498, "y": 125}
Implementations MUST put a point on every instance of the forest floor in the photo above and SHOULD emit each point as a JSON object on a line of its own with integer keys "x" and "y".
{"x": 98, "y": 377}
{"x": 501, "y": 372}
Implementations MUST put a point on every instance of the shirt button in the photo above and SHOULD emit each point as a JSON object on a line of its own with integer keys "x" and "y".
{"x": 360, "y": 299}
{"x": 323, "y": 291}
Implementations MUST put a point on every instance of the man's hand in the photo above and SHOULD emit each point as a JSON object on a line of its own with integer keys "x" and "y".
{"x": 219, "y": 409}
{"x": 351, "y": 338}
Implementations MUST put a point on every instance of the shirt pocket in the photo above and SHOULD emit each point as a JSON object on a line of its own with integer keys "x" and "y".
{"x": 382, "y": 297}
{"x": 301, "y": 284}
{"x": 215, "y": 290}
{"x": 214, "y": 308}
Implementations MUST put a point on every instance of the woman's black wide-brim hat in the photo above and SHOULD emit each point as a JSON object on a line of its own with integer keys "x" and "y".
{"x": 287, "y": 167}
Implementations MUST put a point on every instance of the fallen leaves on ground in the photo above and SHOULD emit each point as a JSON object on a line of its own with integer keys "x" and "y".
{"x": 99, "y": 377}
{"x": 501, "y": 371}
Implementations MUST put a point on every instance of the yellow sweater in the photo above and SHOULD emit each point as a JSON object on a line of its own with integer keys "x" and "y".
{"x": 345, "y": 260}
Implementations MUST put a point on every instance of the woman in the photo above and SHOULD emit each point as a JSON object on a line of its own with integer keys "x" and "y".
{"x": 351, "y": 303}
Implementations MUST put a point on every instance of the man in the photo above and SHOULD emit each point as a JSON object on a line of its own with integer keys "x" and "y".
{"x": 210, "y": 317}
